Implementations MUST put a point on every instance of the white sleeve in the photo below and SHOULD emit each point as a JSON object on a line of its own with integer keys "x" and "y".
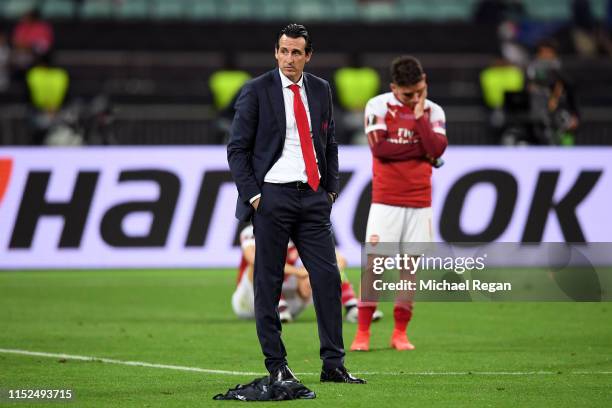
{"x": 437, "y": 118}
{"x": 247, "y": 238}
{"x": 375, "y": 112}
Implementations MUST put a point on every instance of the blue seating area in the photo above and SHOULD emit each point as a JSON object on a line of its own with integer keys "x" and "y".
{"x": 267, "y": 10}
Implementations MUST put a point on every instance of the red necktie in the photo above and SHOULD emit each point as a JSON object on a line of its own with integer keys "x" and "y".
{"x": 305, "y": 141}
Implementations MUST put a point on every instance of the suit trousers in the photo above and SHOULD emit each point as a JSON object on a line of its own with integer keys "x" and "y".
{"x": 285, "y": 211}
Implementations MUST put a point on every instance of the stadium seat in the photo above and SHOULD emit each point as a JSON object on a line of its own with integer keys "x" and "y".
{"x": 599, "y": 8}
{"x": 203, "y": 10}
{"x": 47, "y": 86}
{"x": 495, "y": 81}
{"x": 96, "y": 9}
{"x": 133, "y": 10}
{"x": 450, "y": 10}
{"x": 58, "y": 9}
{"x": 311, "y": 11}
{"x": 375, "y": 12}
{"x": 273, "y": 10}
{"x": 170, "y": 10}
{"x": 437, "y": 10}
{"x": 225, "y": 84}
{"x": 343, "y": 9}
{"x": 355, "y": 86}
{"x": 549, "y": 10}
{"x": 237, "y": 9}
{"x": 13, "y": 9}
{"x": 411, "y": 10}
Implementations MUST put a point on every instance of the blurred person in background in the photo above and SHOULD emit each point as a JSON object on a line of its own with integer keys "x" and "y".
{"x": 296, "y": 292}
{"x": 5, "y": 59}
{"x": 552, "y": 97}
{"x": 47, "y": 87}
{"x": 96, "y": 119}
{"x": 407, "y": 135}
{"x": 590, "y": 37}
{"x": 32, "y": 38}
{"x": 545, "y": 113}
{"x": 511, "y": 49}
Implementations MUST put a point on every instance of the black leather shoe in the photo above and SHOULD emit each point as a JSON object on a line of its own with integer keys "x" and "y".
{"x": 283, "y": 373}
{"x": 340, "y": 375}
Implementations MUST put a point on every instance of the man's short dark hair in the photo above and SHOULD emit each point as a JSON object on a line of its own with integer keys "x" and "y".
{"x": 295, "y": 31}
{"x": 406, "y": 71}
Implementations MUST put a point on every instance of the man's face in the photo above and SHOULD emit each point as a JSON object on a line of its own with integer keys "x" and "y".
{"x": 409, "y": 95}
{"x": 291, "y": 56}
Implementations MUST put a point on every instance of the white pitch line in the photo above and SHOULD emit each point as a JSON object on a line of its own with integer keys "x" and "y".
{"x": 251, "y": 373}
{"x": 122, "y": 362}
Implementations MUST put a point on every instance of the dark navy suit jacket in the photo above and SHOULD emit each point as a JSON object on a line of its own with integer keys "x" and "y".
{"x": 258, "y": 133}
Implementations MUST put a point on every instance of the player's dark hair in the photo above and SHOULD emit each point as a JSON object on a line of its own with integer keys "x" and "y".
{"x": 406, "y": 71}
{"x": 295, "y": 31}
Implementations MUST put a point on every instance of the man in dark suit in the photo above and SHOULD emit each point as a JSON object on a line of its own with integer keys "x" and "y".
{"x": 284, "y": 159}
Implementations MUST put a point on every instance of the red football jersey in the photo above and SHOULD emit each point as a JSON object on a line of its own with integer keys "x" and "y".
{"x": 403, "y": 183}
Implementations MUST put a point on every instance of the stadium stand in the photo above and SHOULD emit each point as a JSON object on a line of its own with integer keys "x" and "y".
{"x": 155, "y": 55}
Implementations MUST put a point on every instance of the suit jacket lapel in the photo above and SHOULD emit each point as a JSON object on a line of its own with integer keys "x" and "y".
{"x": 275, "y": 92}
{"x": 315, "y": 111}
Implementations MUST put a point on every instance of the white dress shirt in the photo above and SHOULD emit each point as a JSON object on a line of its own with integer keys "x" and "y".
{"x": 290, "y": 166}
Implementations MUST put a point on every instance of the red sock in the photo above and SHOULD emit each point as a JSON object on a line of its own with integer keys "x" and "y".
{"x": 348, "y": 294}
{"x": 402, "y": 315}
{"x": 364, "y": 318}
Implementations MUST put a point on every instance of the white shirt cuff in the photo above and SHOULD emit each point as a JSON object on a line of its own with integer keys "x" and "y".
{"x": 254, "y": 198}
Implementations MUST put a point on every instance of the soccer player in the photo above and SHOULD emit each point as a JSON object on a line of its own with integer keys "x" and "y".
{"x": 296, "y": 291}
{"x": 407, "y": 135}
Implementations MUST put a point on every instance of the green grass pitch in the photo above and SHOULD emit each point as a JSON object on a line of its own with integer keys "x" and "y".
{"x": 468, "y": 354}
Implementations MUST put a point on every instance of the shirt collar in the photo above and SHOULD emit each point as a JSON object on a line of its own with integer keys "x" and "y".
{"x": 286, "y": 82}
